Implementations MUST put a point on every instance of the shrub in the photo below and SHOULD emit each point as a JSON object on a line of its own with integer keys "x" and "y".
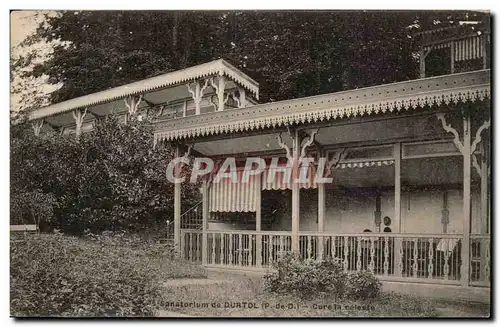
{"x": 306, "y": 278}
{"x": 362, "y": 285}
{"x": 55, "y": 275}
{"x": 310, "y": 278}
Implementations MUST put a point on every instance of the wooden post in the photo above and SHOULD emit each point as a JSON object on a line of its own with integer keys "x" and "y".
{"x": 220, "y": 92}
{"x": 258, "y": 221}
{"x": 452, "y": 60}
{"x": 295, "y": 192}
{"x": 184, "y": 109}
{"x": 177, "y": 204}
{"x": 484, "y": 190}
{"x": 398, "y": 242}
{"x": 321, "y": 218}
{"x": 466, "y": 199}
{"x": 422, "y": 63}
{"x": 484, "y": 46}
{"x": 206, "y": 214}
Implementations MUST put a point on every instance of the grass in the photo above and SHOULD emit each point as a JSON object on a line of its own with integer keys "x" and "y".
{"x": 227, "y": 299}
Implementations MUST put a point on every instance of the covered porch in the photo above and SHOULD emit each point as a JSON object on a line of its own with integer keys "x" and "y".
{"x": 409, "y": 196}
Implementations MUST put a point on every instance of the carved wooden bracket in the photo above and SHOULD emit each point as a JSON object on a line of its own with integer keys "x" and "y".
{"x": 448, "y": 128}
{"x": 475, "y": 164}
{"x": 79, "y": 115}
{"x": 335, "y": 159}
{"x": 477, "y": 140}
{"x": 197, "y": 93}
{"x": 37, "y": 126}
{"x": 241, "y": 99}
{"x": 286, "y": 147}
{"x": 307, "y": 143}
{"x": 132, "y": 103}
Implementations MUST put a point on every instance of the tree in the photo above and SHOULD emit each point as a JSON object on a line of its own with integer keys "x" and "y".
{"x": 111, "y": 179}
{"x": 292, "y": 54}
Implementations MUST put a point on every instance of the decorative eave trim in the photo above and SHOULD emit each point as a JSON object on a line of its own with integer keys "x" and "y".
{"x": 431, "y": 92}
{"x": 217, "y": 67}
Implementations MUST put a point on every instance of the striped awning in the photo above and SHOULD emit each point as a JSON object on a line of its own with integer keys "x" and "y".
{"x": 226, "y": 196}
{"x": 281, "y": 180}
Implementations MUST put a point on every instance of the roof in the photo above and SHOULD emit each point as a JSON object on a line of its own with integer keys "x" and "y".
{"x": 220, "y": 67}
{"x": 383, "y": 99}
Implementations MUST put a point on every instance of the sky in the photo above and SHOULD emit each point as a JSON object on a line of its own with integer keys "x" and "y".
{"x": 22, "y": 24}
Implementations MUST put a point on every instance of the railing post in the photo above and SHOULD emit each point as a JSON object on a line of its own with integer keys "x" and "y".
{"x": 321, "y": 219}
{"x": 397, "y": 209}
{"x": 295, "y": 192}
{"x": 204, "y": 238}
{"x": 466, "y": 199}
{"x": 258, "y": 221}
{"x": 177, "y": 204}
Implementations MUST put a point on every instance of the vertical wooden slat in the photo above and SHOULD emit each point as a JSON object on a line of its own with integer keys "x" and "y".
{"x": 399, "y": 249}
{"x": 358, "y": 254}
{"x": 415, "y": 257}
{"x": 431, "y": 258}
{"x": 270, "y": 247}
{"x": 281, "y": 247}
{"x": 231, "y": 236}
{"x": 250, "y": 249}
{"x": 446, "y": 267}
{"x": 205, "y": 213}
{"x": 240, "y": 249}
{"x": 386, "y": 255}
{"x": 309, "y": 247}
{"x": 346, "y": 252}
{"x": 372, "y": 254}
{"x": 486, "y": 244}
{"x": 333, "y": 244}
{"x": 222, "y": 238}
{"x": 213, "y": 247}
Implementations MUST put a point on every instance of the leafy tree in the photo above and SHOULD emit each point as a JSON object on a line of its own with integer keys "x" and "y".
{"x": 291, "y": 53}
{"x": 112, "y": 179}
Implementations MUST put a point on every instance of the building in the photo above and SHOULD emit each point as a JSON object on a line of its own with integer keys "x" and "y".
{"x": 410, "y": 163}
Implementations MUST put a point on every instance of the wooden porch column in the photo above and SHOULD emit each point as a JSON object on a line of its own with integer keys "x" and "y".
{"x": 295, "y": 192}
{"x": 258, "y": 222}
{"x": 206, "y": 214}
{"x": 484, "y": 191}
{"x": 398, "y": 242}
{"x": 321, "y": 217}
{"x": 177, "y": 204}
{"x": 466, "y": 199}
{"x": 422, "y": 63}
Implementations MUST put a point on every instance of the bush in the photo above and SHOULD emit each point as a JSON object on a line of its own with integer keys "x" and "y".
{"x": 55, "y": 275}
{"x": 362, "y": 285}
{"x": 309, "y": 278}
{"x": 306, "y": 278}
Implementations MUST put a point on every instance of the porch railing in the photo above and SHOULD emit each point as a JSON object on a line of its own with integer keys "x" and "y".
{"x": 480, "y": 256}
{"x": 431, "y": 258}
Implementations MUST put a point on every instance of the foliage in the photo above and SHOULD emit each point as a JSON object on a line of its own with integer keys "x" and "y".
{"x": 111, "y": 179}
{"x": 362, "y": 285}
{"x": 305, "y": 278}
{"x": 291, "y": 53}
{"x": 319, "y": 278}
{"x": 33, "y": 207}
{"x": 55, "y": 275}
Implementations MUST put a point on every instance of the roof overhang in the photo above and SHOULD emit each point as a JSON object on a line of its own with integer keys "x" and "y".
{"x": 155, "y": 89}
{"x": 385, "y": 99}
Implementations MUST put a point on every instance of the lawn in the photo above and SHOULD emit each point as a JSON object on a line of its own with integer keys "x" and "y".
{"x": 240, "y": 296}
